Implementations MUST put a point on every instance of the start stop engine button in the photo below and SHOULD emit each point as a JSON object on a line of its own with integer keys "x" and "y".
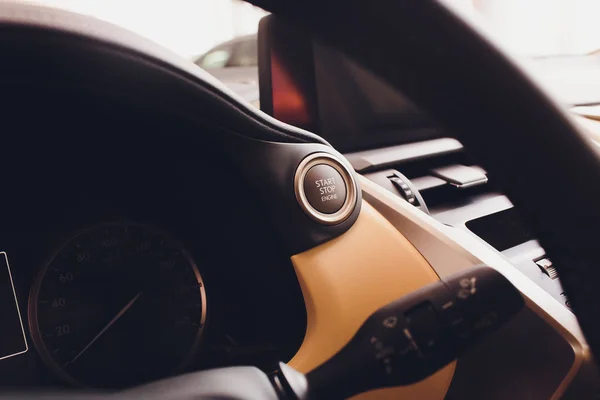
{"x": 325, "y": 188}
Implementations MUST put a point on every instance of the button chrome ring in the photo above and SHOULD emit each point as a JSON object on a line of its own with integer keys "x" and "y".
{"x": 349, "y": 204}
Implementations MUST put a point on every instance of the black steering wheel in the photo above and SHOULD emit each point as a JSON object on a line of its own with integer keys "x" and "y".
{"x": 525, "y": 140}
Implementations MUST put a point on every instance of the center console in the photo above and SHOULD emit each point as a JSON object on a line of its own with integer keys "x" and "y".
{"x": 458, "y": 193}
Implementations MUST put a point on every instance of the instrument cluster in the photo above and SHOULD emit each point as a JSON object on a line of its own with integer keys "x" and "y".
{"x": 135, "y": 274}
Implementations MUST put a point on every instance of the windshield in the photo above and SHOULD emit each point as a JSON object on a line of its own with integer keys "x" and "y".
{"x": 191, "y": 27}
{"x": 187, "y": 27}
{"x": 538, "y": 28}
{"x": 559, "y": 38}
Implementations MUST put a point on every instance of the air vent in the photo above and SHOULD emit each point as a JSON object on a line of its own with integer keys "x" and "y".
{"x": 437, "y": 171}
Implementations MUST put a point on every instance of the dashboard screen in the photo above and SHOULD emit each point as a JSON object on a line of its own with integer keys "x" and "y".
{"x": 312, "y": 86}
{"x": 11, "y": 326}
{"x": 354, "y": 104}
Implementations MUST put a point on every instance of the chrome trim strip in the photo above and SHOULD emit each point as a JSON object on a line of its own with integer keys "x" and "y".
{"x": 12, "y": 284}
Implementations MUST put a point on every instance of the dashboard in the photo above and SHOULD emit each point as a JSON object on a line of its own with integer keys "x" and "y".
{"x": 126, "y": 273}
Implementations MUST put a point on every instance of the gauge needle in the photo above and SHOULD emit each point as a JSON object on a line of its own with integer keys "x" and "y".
{"x": 112, "y": 321}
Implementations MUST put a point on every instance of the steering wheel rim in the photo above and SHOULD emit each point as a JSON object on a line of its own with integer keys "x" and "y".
{"x": 516, "y": 130}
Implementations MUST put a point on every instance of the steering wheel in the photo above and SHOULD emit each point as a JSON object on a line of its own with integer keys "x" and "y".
{"x": 381, "y": 249}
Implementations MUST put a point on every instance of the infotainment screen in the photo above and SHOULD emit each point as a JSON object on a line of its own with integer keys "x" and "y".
{"x": 307, "y": 84}
{"x": 11, "y": 325}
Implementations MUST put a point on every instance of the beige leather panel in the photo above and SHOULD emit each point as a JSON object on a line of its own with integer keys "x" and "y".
{"x": 348, "y": 278}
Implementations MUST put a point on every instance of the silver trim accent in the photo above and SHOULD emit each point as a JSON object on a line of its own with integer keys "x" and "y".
{"x": 18, "y": 310}
{"x": 481, "y": 181}
{"x": 449, "y": 250}
{"x": 350, "y": 202}
{"x": 461, "y": 176}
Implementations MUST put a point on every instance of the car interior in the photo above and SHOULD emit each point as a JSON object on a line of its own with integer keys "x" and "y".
{"x": 410, "y": 224}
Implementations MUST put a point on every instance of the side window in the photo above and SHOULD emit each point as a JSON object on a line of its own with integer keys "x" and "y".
{"x": 245, "y": 54}
{"x": 217, "y": 58}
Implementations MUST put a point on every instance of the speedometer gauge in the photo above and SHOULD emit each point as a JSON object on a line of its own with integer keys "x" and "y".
{"x": 117, "y": 305}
